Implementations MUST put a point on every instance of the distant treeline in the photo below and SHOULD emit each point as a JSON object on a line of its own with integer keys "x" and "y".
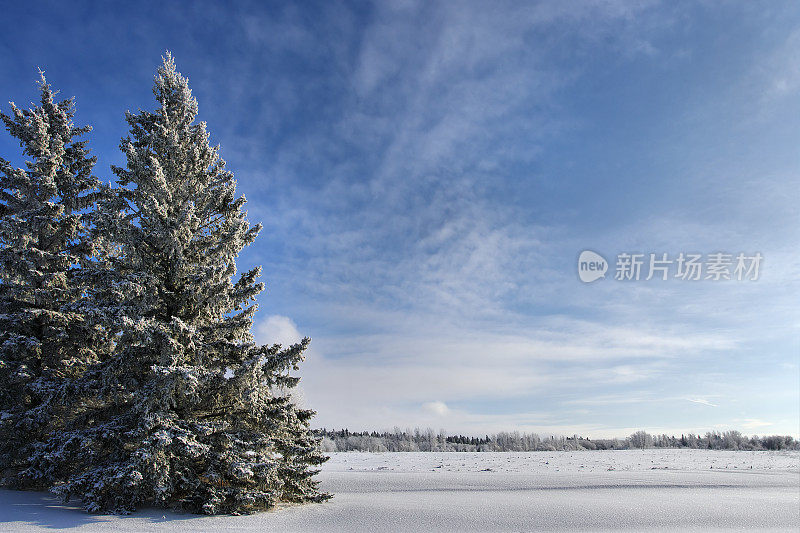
{"x": 427, "y": 440}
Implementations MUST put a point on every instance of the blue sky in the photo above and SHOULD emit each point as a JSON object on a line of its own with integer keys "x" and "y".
{"x": 427, "y": 174}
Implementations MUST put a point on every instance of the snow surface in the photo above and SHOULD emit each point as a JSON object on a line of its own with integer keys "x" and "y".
{"x": 636, "y": 490}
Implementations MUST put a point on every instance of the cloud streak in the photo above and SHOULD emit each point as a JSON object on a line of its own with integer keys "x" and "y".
{"x": 702, "y": 401}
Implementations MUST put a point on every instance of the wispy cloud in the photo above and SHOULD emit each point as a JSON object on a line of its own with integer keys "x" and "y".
{"x": 702, "y": 401}
{"x": 433, "y": 284}
{"x": 752, "y": 423}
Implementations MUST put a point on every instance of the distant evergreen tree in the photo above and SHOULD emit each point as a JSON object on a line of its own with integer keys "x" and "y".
{"x": 47, "y": 339}
{"x": 189, "y": 412}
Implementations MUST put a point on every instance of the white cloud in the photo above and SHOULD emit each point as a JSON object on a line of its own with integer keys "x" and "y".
{"x": 751, "y": 423}
{"x": 436, "y": 408}
{"x": 702, "y": 401}
{"x": 277, "y": 329}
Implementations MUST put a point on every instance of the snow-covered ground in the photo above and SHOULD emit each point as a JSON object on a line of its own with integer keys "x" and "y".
{"x": 636, "y": 490}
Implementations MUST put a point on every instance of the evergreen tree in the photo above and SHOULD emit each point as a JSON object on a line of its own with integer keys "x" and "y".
{"x": 189, "y": 412}
{"x": 46, "y": 340}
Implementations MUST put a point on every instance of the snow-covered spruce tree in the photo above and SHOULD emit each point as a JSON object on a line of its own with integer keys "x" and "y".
{"x": 46, "y": 341}
{"x": 189, "y": 412}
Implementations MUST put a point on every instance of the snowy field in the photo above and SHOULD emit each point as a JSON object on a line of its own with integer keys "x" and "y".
{"x": 676, "y": 490}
